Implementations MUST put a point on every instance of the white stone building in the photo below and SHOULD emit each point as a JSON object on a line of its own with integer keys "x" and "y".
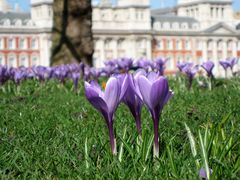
{"x": 196, "y": 30}
{"x": 193, "y": 30}
{"x": 25, "y": 38}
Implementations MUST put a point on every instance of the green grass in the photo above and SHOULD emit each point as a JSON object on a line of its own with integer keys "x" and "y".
{"x": 49, "y": 132}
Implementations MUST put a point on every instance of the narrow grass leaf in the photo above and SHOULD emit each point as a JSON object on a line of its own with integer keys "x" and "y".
{"x": 204, "y": 155}
{"x": 120, "y": 155}
{"x": 86, "y": 153}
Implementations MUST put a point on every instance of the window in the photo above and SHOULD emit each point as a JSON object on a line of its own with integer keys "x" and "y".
{"x": 229, "y": 45}
{"x": 197, "y": 12}
{"x": 157, "y": 25}
{"x": 11, "y": 44}
{"x": 170, "y": 62}
{"x": 142, "y": 15}
{"x": 34, "y": 43}
{"x": 6, "y": 22}
{"x": 120, "y": 44}
{"x": 1, "y": 43}
{"x": 178, "y": 45}
{"x": 188, "y": 58}
{"x": 175, "y": 25}
{"x": 184, "y": 26}
{"x": 23, "y": 61}
{"x": 160, "y": 44}
{"x": 22, "y": 44}
{"x": 34, "y": 61}
{"x": 141, "y": 44}
{"x": 179, "y": 58}
{"x": 199, "y": 45}
{"x": 222, "y": 12}
{"x": 166, "y": 25}
{"x": 211, "y": 11}
{"x": 238, "y": 45}
{"x": 188, "y": 44}
{"x": 195, "y": 26}
{"x": 220, "y": 45}
{"x": 192, "y": 12}
{"x": 136, "y": 15}
{"x": 11, "y": 61}
{"x": 49, "y": 11}
{"x": 169, "y": 44}
{"x": 1, "y": 60}
{"x": 108, "y": 44}
{"x": 210, "y": 45}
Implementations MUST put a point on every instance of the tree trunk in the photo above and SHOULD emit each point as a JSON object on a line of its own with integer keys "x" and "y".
{"x": 72, "y": 32}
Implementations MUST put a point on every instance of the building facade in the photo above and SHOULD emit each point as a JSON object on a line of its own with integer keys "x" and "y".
{"x": 25, "y": 38}
{"x": 193, "y": 30}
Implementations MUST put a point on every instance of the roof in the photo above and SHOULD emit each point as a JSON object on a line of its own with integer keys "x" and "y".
{"x": 173, "y": 18}
{"x": 163, "y": 11}
{"x": 219, "y": 25}
{"x": 37, "y": 2}
{"x": 14, "y": 15}
{"x": 217, "y": 2}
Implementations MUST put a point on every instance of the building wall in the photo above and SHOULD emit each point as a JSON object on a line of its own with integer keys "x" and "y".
{"x": 19, "y": 50}
{"x": 126, "y": 31}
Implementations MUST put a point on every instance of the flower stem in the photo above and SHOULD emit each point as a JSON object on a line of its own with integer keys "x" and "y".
{"x": 112, "y": 139}
{"x": 156, "y": 136}
{"x": 138, "y": 123}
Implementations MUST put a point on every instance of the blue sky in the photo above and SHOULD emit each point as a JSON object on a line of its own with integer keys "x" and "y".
{"x": 25, "y": 4}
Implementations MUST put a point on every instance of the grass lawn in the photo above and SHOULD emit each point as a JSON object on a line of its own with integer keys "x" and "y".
{"x": 49, "y": 132}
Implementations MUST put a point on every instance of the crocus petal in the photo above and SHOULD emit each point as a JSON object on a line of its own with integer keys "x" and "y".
{"x": 90, "y": 91}
{"x": 96, "y": 100}
{"x": 135, "y": 85}
{"x": 159, "y": 91}
{"x": 112, "y": 94}
{"x": 145, "y": 89}
{"x": 152, "y": 76}
{"x": 124, "y": 82}
{"x": 169, "y": 96}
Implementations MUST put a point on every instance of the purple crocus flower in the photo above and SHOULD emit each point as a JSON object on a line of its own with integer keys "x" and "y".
{"x": 75, "y": 76}
{"x": 203, "y": 173}
{"x": 112, "y": 63}
{"x": 232, "y": 63}
{"x": 131, "y": 99}
{"x": 224, "y": 63}
{"x": 208, "y": 66}
{"x": 94, "y": 73}
{"x": 160, "y": 65}
{"x": 108, "y": 70}
{"x": 18, "y": 76}
{"x": 155, "y": 93}
{"x": 4, "y": 74}
{"x": 124, "y": 64}
{"x": 181, "y": 65}
{"x": 42, "y": 73}
{"x": 144, "y": 64}
{"x": 228, "y": 63}
{"x": 190, "y": 71}
{"x": 105, "y": 102}
{"x": 60, "y": 73}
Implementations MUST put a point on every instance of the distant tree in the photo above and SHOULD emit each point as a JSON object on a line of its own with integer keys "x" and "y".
{"x": 72, "y": 32}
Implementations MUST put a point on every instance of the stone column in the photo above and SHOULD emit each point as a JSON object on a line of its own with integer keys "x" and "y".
{"x": 215, "y": 58}
{"x": 100, "y": 61}
{"x": 115, "y": 47}
{"x": 234, "y": 48}
{"x": 224, "y": 50}
{"x": 131, "y": 49}
{"x": 149, "y": 48}
{"x": 204, "y": 49}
